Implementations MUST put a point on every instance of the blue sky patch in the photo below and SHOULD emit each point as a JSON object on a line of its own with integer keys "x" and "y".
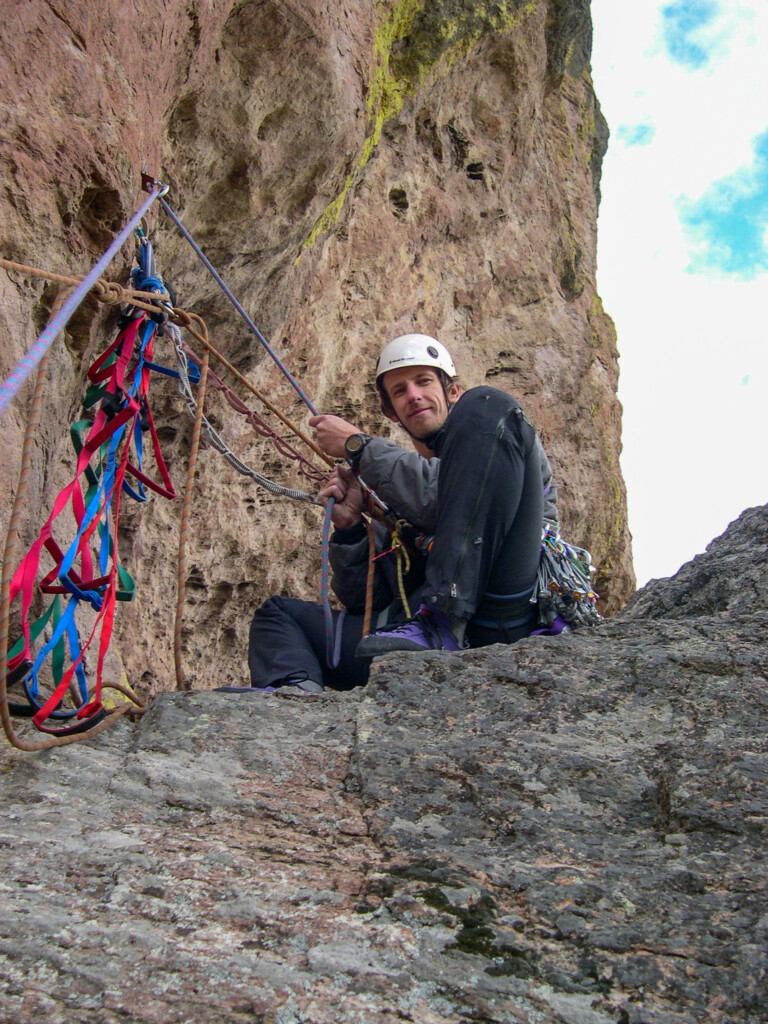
{"x": 728, "y": 226}
{"x": 682, "y": 24}
{"x": 636, "y": 134}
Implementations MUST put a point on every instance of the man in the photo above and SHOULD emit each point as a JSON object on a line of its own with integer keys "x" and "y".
{"x": 474, "y": 493}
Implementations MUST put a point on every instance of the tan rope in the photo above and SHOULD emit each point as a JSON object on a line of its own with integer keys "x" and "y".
{"x": 369, "y": 578}
{"x": 186, "y": 320}
{"x": 126, "y": 692}
{"x": 105, "y": 291}
{"x": 184, "y": 524}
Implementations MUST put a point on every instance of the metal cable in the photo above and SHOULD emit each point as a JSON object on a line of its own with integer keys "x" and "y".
{"x": 249, "y": 323}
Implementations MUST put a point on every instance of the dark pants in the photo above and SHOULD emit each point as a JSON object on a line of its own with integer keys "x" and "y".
{"x": 288, "y": 644}
{"x": 487, "y": 542}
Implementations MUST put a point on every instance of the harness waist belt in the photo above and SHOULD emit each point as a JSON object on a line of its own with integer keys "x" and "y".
{"x": 505, "y": 611}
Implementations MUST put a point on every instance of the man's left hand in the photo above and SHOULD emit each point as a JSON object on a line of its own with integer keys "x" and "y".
{"x": 332, "y": 432}
{"x": 343, "y": 487}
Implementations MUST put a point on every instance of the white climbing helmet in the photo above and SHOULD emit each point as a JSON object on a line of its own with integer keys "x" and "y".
{"x": 414, "y": 350}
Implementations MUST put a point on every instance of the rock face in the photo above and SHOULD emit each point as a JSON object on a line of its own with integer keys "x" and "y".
{"x": 354, "y": 170}
{"x": 570, "y": 830}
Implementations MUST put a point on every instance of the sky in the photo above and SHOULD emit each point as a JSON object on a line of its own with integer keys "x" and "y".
{"x": 683, "y": 262}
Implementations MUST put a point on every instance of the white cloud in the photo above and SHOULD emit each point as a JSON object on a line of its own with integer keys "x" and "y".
{"x": 691, "y": 459}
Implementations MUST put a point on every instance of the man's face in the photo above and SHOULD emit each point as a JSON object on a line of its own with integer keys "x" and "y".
{"x": 418, "y": 398}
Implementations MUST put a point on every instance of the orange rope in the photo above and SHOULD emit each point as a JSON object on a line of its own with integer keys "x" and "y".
{"x": 184, "y": 524}
{"x": 105, "y": 291}
{"x": 185, "y": 320}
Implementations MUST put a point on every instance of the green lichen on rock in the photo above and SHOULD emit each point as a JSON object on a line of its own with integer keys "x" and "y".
{"x": 571, "y": 271}
{"x": 410, "y": 42}
{"x": 475, "y": 934}
{"x": 416, "y": 36}
{"x": 602, "y": 328}
{"x": 569, "y": 38}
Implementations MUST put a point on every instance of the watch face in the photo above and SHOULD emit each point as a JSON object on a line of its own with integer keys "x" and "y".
{"x": 354, "y": 447}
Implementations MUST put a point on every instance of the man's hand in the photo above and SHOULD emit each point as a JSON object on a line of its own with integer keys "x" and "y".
{"x": 343, "y": 487}
{"x": 332, "y": 432}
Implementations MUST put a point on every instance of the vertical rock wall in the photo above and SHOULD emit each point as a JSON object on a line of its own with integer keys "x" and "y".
{"x": 354, "y": 171}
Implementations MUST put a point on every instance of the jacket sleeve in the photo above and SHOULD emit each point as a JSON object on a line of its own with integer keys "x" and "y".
{"x": 407, "y": 482}
{"x": 404, "y": 480}
{"x": 550, "y": 487}
{"x": 348, "y": 558}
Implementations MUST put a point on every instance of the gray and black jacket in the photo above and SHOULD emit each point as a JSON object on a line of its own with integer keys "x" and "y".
{"x": 407, "y": 483}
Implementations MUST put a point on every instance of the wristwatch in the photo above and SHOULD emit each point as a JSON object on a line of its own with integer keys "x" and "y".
{"x": 354, "y": 447}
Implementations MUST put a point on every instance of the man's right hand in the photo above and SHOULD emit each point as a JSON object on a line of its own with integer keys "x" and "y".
{"x": 332, "y": 432}
{"x": 343, "y": 487}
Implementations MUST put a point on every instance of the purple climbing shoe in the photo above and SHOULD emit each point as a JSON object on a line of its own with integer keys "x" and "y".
{"x": 304, "y": 685}
{"x": 427, "y": 631}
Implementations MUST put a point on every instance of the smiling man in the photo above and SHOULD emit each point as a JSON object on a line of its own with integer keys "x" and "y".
{"x": 475, "y": 490}
{"x": 418, "y": 399}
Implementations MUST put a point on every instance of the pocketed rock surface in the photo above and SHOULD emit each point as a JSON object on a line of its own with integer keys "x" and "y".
{"x": 571, "y": 830}
{"x": 355, "y": 171}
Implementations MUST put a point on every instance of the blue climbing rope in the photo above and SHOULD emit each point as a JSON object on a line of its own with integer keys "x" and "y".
{"x": 332, "y": 647}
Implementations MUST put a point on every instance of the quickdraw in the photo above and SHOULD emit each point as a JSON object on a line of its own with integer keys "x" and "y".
{"x": 563, "y": 590}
